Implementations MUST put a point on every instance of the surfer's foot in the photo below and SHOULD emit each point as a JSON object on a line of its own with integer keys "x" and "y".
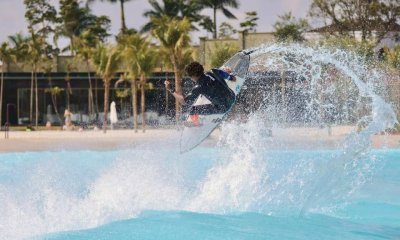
{"x": 195, "y": 119}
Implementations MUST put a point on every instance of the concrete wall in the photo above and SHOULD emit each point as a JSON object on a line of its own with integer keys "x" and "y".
{"x": 251, "y": 40}
{"x": 59, "y": 64}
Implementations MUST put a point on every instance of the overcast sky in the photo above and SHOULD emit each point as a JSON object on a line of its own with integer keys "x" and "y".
{"x": 12, "y": 12}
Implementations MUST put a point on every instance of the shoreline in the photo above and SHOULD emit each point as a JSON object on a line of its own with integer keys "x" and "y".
{"x": 286, "y": 138}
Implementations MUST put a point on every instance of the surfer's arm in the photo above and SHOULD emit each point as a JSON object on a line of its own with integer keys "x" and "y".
{"x": 191, "y": 97}
{"x": 225, "y": 73}
{"x": 176, "y": 95}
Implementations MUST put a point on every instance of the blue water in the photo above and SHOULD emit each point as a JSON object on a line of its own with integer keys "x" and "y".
{"x": 204, "y": 194}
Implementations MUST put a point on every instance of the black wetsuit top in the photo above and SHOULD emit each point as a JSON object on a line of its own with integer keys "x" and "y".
{"x": 215, "y": 89}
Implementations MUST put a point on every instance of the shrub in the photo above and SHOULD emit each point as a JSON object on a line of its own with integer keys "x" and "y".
{"x": 222, "y": 53}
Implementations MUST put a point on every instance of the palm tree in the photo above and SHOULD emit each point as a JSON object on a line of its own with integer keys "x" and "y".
{"x": 72, "y": 17}
{"x": 75, "y": 20}
{"x": 146, "y": 61}
{"x": 40, "y": 16}
{"x": 70, "y": 66}
{"x": 4, "y": 56}
{"x": 174, "y": 37}
{"x": 174, "y": 9}
{"x": 122, "y": 9}
{"x": 106, "y": 60}
{"x": 133, "y": 76}
{"x": 219, "y": 5}
{"x": 34, "y": 46}
{"x": 130, "y": 44}
{"x": 54, "y": 91}
{"x": 18, "y": 51}
{"x": 141, "y": 59}
{"x": 86, "y": 44}
{"x": 19, "y": 54}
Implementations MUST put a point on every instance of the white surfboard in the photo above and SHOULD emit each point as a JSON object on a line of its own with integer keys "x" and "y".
{"x": 196, "y": 130}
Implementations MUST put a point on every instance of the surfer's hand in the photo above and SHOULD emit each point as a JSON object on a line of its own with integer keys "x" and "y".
{"x": 227, "y": 69}
{"x": 167, "y": 84}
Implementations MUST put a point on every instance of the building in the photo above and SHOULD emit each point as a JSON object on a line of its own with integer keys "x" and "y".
{"x": 74, "y": 93}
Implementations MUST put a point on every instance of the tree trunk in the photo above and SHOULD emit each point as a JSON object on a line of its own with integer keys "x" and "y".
{"x": 31, "y": 99}
{"x": 96, "y": 95}
{"x": 166, "y": 100}
{"x": 134, "y": 102}
{"x": 54, "y": 99}
{"x": 1, "y": 96}
{"x": 123, "y": 26}
{"x": 69, "y": 91}
{"x": 142, "y": 101}
{"x": 106, "y": 102}
{"x": 178, "y": 89}
{"x": 36, "y": 100}
{"x": 215, "y": 23}
{"x": 90, "y": 92}
{"x": 71, "y": 46}
{"x": 68, "y": 100}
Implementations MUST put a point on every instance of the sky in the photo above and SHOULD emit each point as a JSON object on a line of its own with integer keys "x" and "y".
{"x": 12, "y": 12}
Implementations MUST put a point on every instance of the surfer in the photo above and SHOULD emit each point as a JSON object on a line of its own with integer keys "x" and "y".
{"x": 211, "y": 85}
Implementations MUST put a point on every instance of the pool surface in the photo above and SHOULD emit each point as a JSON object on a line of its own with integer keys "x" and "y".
{"x": 204, "y": 194}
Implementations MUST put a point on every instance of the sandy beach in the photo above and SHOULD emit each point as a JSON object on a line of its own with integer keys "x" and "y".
{"x": 87, "y": 140}
{"x": 20, "y": 141}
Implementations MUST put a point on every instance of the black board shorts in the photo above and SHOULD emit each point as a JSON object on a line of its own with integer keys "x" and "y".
{"x": 207, "y": 109}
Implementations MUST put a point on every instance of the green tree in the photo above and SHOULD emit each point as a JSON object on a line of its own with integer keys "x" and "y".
{"x": 347, "y": 16}
{"x": 124, "y": 29}
{"x": 76, "y": 20}
{"x": 41, "y": 18}
{"x": 226, "y": 30}
{"x": 216, "y": 5}
{"x": 174, "y": 37}
{"x": 141, "y": 59}
{"x": 288, "y": 28}
{"x": 207, "y": 24}
{"x": 250, "y": 23}
{"x": 18, "y": 50}
{"x": 146, "y": 61}
{"x": 70, "y": 66}
{"x": 72, "y": 17}
{"x": 5, "y": 55}
{"x": 177, "y": 9}
{"x": 53, "y": 90}
{"x": 106, "y": 59}
{"x": 34, "y": 46}
{"x": 47, "y": 67}
{"x": 19, "y": 55}
{"x": 130, "y": 45}
{"x": 86, "y": 45}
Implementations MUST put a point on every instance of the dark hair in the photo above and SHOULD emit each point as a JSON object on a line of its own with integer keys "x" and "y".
{"x": 194, "y": 69}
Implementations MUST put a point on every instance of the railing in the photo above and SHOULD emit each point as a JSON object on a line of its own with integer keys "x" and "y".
{"x": 7, "y": 125}
{"x": 6, "y": 130}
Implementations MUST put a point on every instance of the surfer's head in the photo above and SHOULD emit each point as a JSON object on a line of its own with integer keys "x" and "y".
{"x": 194, "y": 70}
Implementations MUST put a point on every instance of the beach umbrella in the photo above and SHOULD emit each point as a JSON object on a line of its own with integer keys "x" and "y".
{"x": 113, "y": 113}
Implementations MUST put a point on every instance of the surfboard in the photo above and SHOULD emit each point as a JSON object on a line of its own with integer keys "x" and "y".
{"x": 199, "y": 127}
